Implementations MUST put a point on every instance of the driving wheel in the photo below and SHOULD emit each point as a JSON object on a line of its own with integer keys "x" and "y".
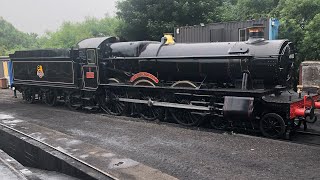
{"x": 110, "y": 103}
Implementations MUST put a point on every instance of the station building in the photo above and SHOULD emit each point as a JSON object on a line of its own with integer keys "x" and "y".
{"x": 225, "y": 31}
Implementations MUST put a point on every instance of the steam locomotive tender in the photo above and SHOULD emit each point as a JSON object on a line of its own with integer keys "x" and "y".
{"x": 231, "y": 84}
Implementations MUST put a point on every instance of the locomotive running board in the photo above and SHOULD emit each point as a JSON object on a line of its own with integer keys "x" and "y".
{"x": 165, "y": 104}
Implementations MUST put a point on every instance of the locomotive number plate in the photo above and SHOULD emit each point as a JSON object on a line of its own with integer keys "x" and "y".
{"x": 90, "y": 75}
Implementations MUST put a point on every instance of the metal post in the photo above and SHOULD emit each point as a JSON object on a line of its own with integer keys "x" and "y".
{"x": 244, "y": 85}
{"x": 14, "y": 91}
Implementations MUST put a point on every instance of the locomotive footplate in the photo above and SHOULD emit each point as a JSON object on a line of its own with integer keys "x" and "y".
{"x": 256, "y": 93}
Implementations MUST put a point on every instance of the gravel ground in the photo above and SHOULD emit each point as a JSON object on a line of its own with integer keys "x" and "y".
{"x": 183, "y": 153}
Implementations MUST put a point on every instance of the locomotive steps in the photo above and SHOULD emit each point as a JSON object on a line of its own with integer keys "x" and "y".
{"x": 43, "y": 148}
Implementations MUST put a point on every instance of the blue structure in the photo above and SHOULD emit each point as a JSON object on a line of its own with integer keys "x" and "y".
{"x": 273, "y": 28}
{"x": 10, "y": 73}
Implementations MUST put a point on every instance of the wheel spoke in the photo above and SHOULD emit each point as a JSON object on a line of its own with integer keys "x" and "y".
{"x": 149, "y": 113}
{"x": 29, "y": 96}
{"x": 272, "y": 125}
{"x": 73, "y": 101}
{"x": 185, "y": 117}
{"x": 110, "y": 103}
{"x": 118, "y": 106}
{"x": 50, "y": 98}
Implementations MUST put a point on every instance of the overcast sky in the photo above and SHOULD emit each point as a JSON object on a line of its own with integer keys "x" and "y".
{"x": 41, "y": 15}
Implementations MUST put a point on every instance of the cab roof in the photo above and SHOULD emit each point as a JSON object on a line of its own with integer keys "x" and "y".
{"x": 95, "y": 42}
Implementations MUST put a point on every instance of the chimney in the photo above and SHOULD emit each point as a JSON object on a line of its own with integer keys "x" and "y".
{"x": 256, "y": 34}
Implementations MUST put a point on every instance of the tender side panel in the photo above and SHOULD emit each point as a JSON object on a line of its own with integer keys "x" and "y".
{"x": 51, "y": 72}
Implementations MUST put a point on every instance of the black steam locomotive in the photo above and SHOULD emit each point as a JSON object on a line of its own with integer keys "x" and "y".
{"x": 231, "y": 84}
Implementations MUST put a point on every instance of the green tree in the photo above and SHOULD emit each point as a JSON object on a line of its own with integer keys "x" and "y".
{"x": 310, "y": 45}
{"x": 229, "y": 10}
{"x": 3, "y": 51}
{"x": 12, "y": 39}
{"x": 240, "y": 10}
{"x": 66, "y": 36}
{"x": 149, "y": 19}
{"x": 255, "y": 9}
{"x": 300, "y": 23}
{"x": 69, "y": 34}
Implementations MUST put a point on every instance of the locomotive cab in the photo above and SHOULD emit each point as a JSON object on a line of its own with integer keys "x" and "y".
{"x": 91, "y": 51}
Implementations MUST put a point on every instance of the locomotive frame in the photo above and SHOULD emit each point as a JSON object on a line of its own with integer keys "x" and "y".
{"x": 99, "y": 83}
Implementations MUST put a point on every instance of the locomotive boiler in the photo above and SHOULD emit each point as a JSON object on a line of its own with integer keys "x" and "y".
{"x": 231, "y": 84}
{"x": 267, "y": 63}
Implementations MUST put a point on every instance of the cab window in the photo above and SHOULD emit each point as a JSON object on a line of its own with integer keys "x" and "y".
{"x": 243, "y": 34}
{"x": 91, "y": 56}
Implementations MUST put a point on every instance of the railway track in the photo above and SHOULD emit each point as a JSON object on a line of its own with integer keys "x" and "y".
{"x": 309, "y": 133}
{"x": 307, "y": 138}
{"x": 106, "y": 174}
{"x": 300, "y": 136}
{"x": 130, "y": 122}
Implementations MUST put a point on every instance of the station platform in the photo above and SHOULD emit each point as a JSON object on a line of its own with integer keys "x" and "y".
{"x": 45, "y": 148}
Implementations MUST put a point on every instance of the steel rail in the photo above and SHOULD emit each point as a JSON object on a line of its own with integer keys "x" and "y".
{"x": 308, "y": 133}
{"x": 307, "y": 142}
{"x": 69, "y": 155}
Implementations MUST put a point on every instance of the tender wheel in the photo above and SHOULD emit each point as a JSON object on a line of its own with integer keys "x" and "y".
{"x": 272, "y": 125}
{"x": 110, "y": 104}
{"x": 73, "y": 101}
{"x": 219, "y": 123}
{"x": 50, "y": 98}
{"x": 29, "y": 96}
